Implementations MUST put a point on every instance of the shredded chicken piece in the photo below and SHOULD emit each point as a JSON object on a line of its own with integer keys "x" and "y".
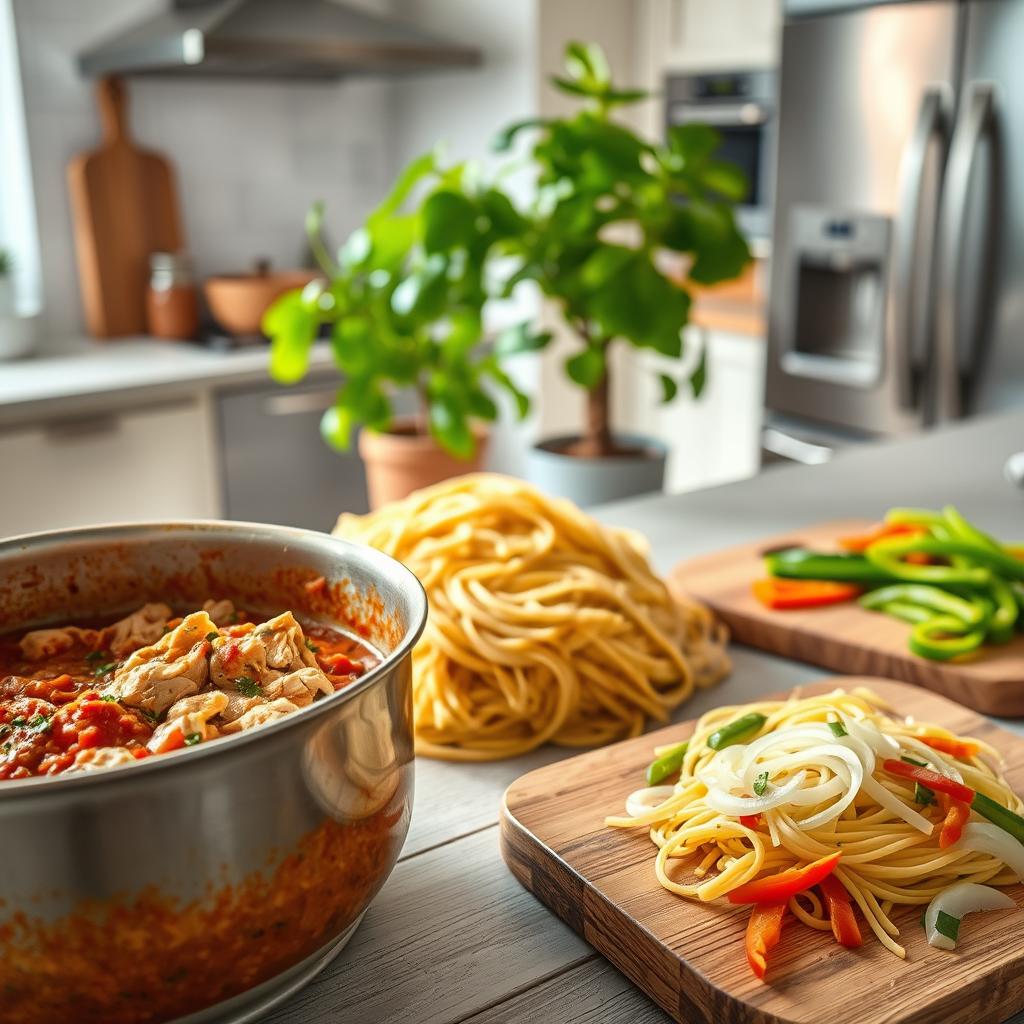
{"x": 261, "y": 714}
{"x": 45, "y": 643}
{"x": 155, "y": 677}
{"x": 143, "y": 627}
{"x": 100, "y": 757}
{"x": 222, "y": 612}
{"x": 191, "y": 715}
{"x": 299, "y": 687}
{"x": 274, "y": 650}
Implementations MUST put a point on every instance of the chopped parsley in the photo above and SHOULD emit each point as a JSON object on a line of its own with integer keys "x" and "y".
{"x": 102, "y": 670}
{"x": 923, "y": 795}
{"x": 761, "y": 784}
{"x": 108, "y": 697}
{"x": 838, "y": 729}
{"x": 4, "y": 728}
{"x": 312, "y": 646}
{"x": 18, "y": 720}
{"x": 248, "y": 687}
{"x": 151, "y": 715}
{"x": 39, "y": 723}
{"x": 94, "y": 656}
{"x": 5, "y": 749}
{"x": 212, "y": 635}
{"x": 193, "y": 738}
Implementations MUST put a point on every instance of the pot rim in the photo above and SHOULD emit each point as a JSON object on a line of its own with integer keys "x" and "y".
{"x": 24, "y": 543}
{"x": 653, "y": 449}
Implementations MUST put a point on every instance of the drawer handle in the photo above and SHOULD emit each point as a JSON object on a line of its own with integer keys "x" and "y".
{"x": 81, "y": 428}
{"x": 297, "y": 405}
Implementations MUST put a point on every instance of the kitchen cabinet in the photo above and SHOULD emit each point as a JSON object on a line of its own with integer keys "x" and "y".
{"x": 714, "y": 439}
{"x": 276, "y": 468}
{"x": 149, "y": 463}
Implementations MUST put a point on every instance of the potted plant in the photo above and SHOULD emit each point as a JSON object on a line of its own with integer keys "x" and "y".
{"x": 404, "y": 302}
{"x": 611, "y": 210}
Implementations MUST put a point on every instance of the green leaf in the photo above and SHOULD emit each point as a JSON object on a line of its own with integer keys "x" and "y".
{"x": 605, "y": 263}
{"x": 502, "y": 142}
{"x": 422, "y": 293}
{"x": 693, "y": 142}
{"x": 357, "y": 248}
{"x": 520, "y": 338}
{"x": 760, "y": 784}
{"x": 352, "y": 344}
{"x": 726, "y": 179}
{"x": 623, "y": 97}
{"x": 336, "y": 427}
{"x": 291, "y": 323}
{"x": 506, "y": 220}
{"x": 481, "y": 405}
{"x": 669, "y": 388}
{"x": 491, "y": 368}
{"x": 450, "y": 428}
{"x": 586, "y": 368}
{"x": 699, "y": 377}
{"x": 572, "y": 88}
{"x": 586, "y": 62}
{"x": 405, "y": 183}
{"x": 720, "y": 260}
{"x": 449, "y": 220}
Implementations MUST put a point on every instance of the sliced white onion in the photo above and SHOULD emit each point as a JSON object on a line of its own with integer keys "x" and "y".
{"x": 848, "y": 758}
{"x": 984, "y": 837}
{"x": 644, "y": 800}
{"x": 736, "y": 806}
{"x": 869, "y": 733}
{"x": 960, "y": 899}
{"x": 890, "y": 802}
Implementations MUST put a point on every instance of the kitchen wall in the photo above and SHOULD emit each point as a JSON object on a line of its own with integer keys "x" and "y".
{"x": 250, "y": 155}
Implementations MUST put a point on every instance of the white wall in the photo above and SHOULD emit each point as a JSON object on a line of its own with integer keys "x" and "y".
{"x": 250, "y": 155}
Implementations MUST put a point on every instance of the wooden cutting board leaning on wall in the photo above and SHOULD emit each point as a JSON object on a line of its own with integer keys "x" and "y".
{"x": 124, "y": 207}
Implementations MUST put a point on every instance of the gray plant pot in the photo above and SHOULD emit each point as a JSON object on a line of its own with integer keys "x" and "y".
{"x": 592, "y": 481}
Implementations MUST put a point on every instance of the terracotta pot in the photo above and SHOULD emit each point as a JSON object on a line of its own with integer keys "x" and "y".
{"x": 238, "y": 301}
{"x": 403, "y": 461}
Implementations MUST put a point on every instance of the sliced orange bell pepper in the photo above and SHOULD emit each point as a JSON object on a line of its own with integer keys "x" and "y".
{"x": 957, "y": 748}
{"x": 840, "y": 910}
{"x": 783, "y": 594}
{"x": 779, "y": 888}
{"x": 957, "y": 815}
{"x": 861, "y": 542}
{"x": 764, "y": 929}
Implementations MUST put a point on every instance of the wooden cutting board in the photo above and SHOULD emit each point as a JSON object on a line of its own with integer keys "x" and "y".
{"x": 124, "y": 207}
{"x": 689, "y": 956}
{"x": 846, "y": 637}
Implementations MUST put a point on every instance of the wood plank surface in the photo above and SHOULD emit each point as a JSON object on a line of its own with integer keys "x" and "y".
{"x": 845, "y": 637}
{"x": 124, "y": 207}
{"x": 688, "y": 956}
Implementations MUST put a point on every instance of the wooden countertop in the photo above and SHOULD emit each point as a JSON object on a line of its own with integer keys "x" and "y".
{"x": 452, "y": 938}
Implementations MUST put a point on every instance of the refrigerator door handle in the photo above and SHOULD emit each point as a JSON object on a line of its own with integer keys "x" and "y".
{"x": 952, "y": 351}
{"x": 907, "y": 333}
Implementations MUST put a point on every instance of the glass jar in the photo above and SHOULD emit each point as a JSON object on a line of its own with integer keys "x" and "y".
{"x": 172, "y": 302}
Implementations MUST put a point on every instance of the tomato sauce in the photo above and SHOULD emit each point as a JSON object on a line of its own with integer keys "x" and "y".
{"x": 52, "y": 708}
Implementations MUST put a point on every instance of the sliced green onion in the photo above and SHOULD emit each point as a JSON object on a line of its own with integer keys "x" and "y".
{"x": 947, "y": 925}
{"x": 760, "y": 784}
{"x": 838, "y": 729}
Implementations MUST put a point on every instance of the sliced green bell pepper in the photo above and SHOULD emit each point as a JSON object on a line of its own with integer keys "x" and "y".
{"x": 944, "y": 637}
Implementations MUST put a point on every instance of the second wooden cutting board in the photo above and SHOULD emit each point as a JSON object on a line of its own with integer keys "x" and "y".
{"x": 846, "y": 637}
{"x": 125, "y": 208}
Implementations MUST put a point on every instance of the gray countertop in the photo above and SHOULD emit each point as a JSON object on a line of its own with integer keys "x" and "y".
{"x": 452, "y": 938}
{"x": 126, "y": 371}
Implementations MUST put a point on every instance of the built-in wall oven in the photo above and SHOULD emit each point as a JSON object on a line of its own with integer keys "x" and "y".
{"x": 741, "y": 106}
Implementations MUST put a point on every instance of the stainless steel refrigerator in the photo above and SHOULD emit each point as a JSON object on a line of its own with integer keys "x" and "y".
{"x": 897, "y": 295}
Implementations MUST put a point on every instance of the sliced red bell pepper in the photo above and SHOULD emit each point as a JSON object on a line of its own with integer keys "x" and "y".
{"x": 750, "y": 820}
{"x": 861, "y": 542}
{"x": 840, "y": 910}
{"x": 786, "y": 594}
{"x": 764, "y": 929}
{"x": 963, "y": 749}
{"x": 779, "y": 888}
{"x": 933, "y": 780}
{"x": 957, "y": 815}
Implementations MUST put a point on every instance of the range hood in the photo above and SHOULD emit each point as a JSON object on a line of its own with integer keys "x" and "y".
{"x": 270, "y": 39}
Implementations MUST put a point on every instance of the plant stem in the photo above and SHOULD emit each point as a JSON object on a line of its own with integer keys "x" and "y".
{"x": 598, "y": 434}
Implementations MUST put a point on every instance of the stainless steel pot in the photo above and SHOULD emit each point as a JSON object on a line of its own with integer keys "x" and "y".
{"x": 208, "y": 883}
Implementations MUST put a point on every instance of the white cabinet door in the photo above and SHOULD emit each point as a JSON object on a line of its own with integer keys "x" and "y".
{"x": 157, "y": 463}
{"x": 711, "y": 440}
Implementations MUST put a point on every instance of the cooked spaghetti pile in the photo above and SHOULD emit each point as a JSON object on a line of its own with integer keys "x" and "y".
{"x": 810, "y": 803}
{"x": 544, "y": 625}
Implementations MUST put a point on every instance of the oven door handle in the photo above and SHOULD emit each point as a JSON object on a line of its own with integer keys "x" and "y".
{"x": 740, "y": 115}
{"x": 908, "y": 335}
{"x": 954, "y": 352}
